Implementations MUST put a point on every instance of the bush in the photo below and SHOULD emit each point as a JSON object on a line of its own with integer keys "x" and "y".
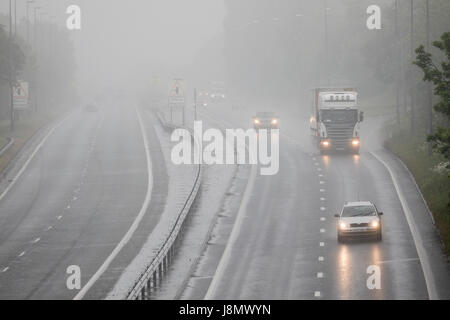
{"x": 431, "y": 174}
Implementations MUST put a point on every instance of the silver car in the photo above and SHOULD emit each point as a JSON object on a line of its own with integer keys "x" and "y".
{"x": 359, "y": 219}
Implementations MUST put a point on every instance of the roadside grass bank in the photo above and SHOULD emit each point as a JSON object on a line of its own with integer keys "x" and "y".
{"x": 24, "y": 129}
{"x": 429, "y": 172}
{"x": 3, "y": 142}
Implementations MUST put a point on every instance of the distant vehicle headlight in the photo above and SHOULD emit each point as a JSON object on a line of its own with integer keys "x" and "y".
{"x": 355, "y": 142}
{"x": 342, "y": 225}
{"x": 223, "y": 96}
{"x": 256, "y": 121}
{"x": 375, "y": 224}
{"x": 213, "y": 96}
{"x": 274, "y": 121}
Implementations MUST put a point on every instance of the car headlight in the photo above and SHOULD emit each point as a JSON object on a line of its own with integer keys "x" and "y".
{"x": 256, "y": 121}
{"x": 355, "y": 142}
{"x": 274, "y": 121}
{"x": 342, "y": 225}
{"x": 375, "y": 224}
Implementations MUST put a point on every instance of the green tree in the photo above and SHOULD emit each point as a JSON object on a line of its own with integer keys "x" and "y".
{"x": 440, "y": 77}
{"x": 17, "y": 58}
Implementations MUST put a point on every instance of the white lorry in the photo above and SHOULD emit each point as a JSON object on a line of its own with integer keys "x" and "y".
{"x": 335, "y": 120}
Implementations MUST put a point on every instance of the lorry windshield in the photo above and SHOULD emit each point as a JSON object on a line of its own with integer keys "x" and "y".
{"x": 358, "y": 211}
{"x": 339, "y": 115}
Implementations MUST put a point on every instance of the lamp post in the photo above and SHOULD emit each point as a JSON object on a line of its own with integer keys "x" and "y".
{"x": 398, "y": 67}
{"x": 35, "y": 27}
{"x": 429, "y": 93}
{"x": 28, "y": 20}
{"x": 412, "y": 57}
{"x": 327, "y": 64}
{"x": 35, "y": 47}
{"x": 10, "y": 69}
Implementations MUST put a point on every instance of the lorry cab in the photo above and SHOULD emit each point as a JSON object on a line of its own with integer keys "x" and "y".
{"x": 335, "y": 120}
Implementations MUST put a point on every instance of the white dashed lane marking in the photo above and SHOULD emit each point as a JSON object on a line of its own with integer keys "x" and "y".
{"x": 317, "y": 294}
{"x": 319, "y": 274}
{"x": 321, "y": 259}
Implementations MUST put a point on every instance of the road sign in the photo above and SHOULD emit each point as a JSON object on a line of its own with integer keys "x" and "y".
{"x": 176, "y": 95}
{"x": 21, "y": 95}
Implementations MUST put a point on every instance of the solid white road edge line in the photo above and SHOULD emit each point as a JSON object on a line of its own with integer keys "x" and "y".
{"x": 136, "y": 221}
{"x": 225, "y": 259}
{"x": 427, "y": 272}
{"x": 36, "y": 150}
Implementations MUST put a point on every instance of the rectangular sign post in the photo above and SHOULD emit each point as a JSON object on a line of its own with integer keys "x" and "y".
{"x": 21, "y": 95}
{"x": 195, "y": 104}
{"x": 177, "y": 99}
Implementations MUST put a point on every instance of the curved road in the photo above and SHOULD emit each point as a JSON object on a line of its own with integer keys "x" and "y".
{"x": 75, "y": 201}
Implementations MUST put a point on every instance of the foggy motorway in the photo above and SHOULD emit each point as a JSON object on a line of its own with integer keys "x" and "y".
{"x": 309, "y": 110}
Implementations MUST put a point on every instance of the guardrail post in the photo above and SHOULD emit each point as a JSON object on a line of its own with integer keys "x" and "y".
{"x": 154, "y": 280}
{"x": 159, "y": 273}
{"x": 142, "y": 293}
{"x": 166, "y": 263}
{"x": 149, "y": 288}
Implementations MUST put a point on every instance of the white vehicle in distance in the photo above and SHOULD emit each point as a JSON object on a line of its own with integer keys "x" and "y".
{"x": 359, "y": 219}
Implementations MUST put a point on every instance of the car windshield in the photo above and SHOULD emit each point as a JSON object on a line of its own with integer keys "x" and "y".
{"x": 265, "y": 115}
{"x": 358, "y": 211}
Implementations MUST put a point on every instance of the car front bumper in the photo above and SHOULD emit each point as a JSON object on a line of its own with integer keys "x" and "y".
{"x": 359, "y": 232}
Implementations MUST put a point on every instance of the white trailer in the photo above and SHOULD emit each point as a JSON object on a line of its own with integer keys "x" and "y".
{"x": 335, "y": 119}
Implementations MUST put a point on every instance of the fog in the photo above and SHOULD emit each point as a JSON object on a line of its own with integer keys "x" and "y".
{"x": 128, "y": 43}
{"x": 261, "y": 49}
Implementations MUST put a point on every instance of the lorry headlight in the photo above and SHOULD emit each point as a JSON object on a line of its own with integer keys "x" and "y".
{"x": 256, "y": 121}
{"x": 355, "y": 142}
{"x": 342, "y": 225}
{"x": 274, "y": 121}
{"x": 326, "y": 143}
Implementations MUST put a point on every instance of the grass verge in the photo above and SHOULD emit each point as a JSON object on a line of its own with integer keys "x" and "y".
{"x": 23, "y": 131}
{"x": 430, "y": 174}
